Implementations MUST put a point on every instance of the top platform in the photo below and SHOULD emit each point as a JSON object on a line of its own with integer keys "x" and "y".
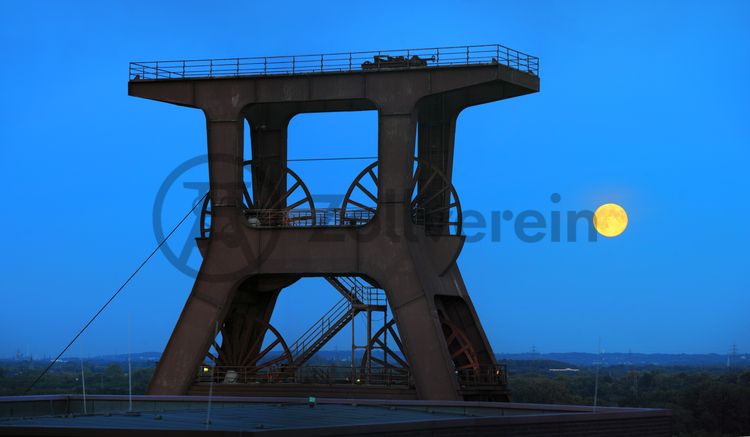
{"x": 379, "y": 60}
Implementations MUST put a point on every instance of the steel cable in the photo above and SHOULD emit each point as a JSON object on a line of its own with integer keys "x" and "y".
{"x": 124, "y": 284}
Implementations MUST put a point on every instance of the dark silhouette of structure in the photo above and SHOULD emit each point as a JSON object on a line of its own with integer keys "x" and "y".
{"x": 397, "y": 233}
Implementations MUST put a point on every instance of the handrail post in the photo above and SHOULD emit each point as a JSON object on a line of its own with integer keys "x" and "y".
{"x": 294, "y": 61}
{"x": 183, "y": 69}
{"x": 321, "y": 63}
{"x": 237, "y": 71}
{"x": 157, "y": 69}
{"x": 265, "y": 66}
{"x": 350, "y": 61}
{"x": 467, "y": 55}
{"x": 210, "y": 68}
{"x": 437, "y": 58}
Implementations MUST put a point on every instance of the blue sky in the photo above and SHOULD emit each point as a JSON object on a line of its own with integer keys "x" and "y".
{"x": 642, "y": 104}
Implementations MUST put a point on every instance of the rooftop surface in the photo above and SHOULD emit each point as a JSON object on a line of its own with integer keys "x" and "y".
{"x": 246, "y": 417}
{"x": 178, "y": 415}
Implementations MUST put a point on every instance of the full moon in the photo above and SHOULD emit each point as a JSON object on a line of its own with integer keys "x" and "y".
{"x": 610, "y": 219}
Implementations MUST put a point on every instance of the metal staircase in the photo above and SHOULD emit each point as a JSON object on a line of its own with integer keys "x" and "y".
{"x": 357, "y": 297}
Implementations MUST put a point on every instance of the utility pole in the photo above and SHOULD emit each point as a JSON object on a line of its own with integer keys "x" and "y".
{"x": 596, "y": 378}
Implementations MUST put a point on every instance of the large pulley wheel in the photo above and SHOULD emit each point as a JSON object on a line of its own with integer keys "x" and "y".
{"x": 291, "y": 206}
{"x": 434, "y": 200}
{"x": 459, "y": 346}
{"x": 231, "y": 352}
{"x": 383, "y": 359}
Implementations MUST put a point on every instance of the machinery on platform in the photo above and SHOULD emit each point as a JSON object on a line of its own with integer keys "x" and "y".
{"x": 386, "y": 61}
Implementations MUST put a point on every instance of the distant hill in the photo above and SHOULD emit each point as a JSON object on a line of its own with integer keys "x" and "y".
{"x": 117, "y": 358}
{"x": 140, "y": 356}
{"x": 620, "y": 359}
{"x": 540, "y": 360}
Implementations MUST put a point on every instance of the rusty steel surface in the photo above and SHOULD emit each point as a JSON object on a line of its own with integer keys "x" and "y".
{"x": 399, "y": 237}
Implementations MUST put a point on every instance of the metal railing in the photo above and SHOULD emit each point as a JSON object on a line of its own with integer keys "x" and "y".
{"x": 496, "y": 375}
{"x": 335, "y": 62}
{"x": 484, "y": 375}
{"x": 292, "y": 218}
{"x": 329, "y": 217}
{"x": 304, "y": 375}
{"x": 335, "y": 318}
{"x": 280, "y": 218}
{"x": 361, "y": 292}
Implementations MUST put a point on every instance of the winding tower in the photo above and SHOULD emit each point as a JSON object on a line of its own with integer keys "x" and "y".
{"x": 391, "y": 246}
